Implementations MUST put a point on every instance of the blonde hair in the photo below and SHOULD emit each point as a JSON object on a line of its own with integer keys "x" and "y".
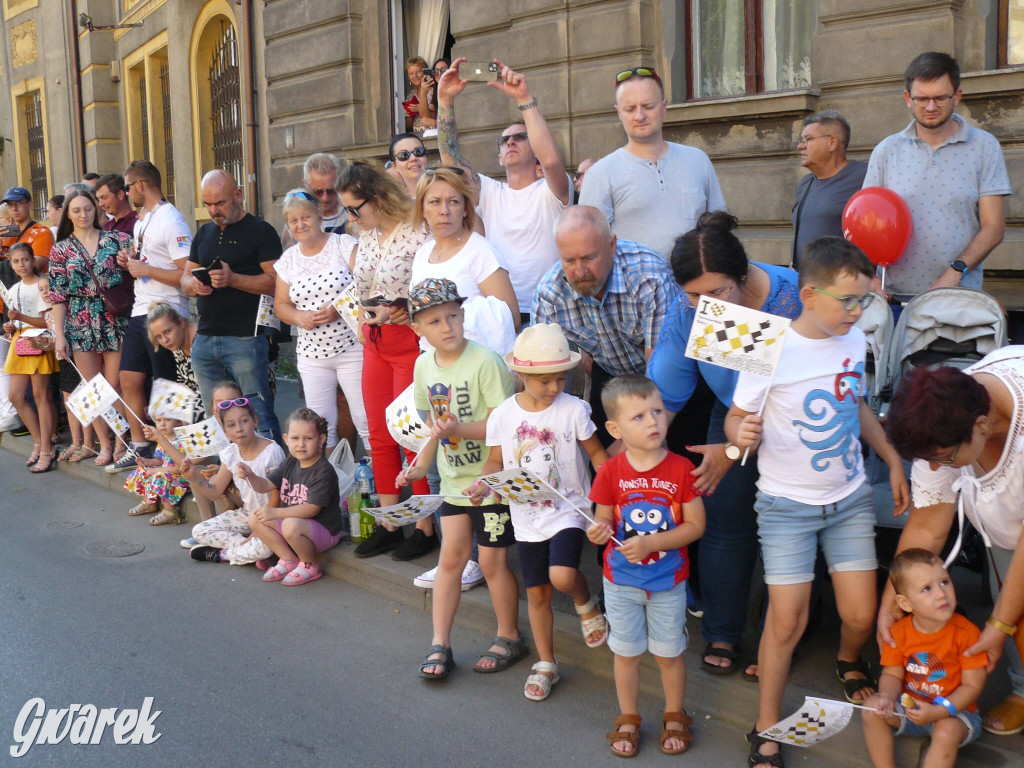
{"x": 161, "y": 310}
{"x": 6, "y": 217}
{"x": 416, "y": 60}
{"x": 458, "y": 181}
{"x": 301, "y": 199}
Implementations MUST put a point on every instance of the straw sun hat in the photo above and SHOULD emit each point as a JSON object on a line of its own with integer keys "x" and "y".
{"x": 542, "y": 349}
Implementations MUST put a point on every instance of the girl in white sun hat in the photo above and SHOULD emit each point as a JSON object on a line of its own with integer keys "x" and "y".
{"x": 542, "y": 429}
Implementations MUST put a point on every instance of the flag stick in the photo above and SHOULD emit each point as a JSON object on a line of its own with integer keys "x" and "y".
{"x": 760, "y": 410}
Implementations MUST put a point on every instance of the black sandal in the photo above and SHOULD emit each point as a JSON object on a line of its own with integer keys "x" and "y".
{"x": 754, "y": 757}
{"x": 446, "y": 662}
{"x": 731, "y": 655}
{"x": 514, "y": 651}
{"x": 850, "y": 687}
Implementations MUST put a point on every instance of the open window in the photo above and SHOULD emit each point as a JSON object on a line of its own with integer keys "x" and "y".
{"x": 418, "y": 28}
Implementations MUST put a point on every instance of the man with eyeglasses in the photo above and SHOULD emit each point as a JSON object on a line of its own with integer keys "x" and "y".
{"x": 651, "y": 190}
{"x": 319, "y": 175}
{"x": 519, "y": 216}
{"x": 951, "y": 175}
{"x": 822, "y": 194}
{"x": 162, "y": 241}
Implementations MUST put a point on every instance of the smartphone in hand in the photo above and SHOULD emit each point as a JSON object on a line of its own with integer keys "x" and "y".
{"x": 479, "y": 71}
{"x": 202, "y": 274}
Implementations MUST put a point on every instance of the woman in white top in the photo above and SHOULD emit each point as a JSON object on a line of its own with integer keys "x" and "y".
{"x": 965, "y": 431}
{"x": 455, "y": 251}
{"x": 310, "y": 275}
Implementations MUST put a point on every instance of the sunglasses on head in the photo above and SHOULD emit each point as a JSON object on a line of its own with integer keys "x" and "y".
{"x": 301, "y": 194}
{"x": 405, "y": 154}
{"x": 639, "y": 72}
{"x": 241, "y": 402}
{"x": 519, "y": 137}
{"x": 452, "y": 168}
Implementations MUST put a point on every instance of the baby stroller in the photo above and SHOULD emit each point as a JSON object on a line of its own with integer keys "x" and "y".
{"x": 877, "y": 323}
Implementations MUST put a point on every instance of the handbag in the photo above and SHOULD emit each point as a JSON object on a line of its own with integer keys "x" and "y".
{"x": 119, "y": 298}
{"x": 23, "y": 348}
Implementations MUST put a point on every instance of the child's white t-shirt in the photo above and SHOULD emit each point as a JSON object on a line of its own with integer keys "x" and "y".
{"x": 546, "y": 443}
{"x": 810, "y": 449}
{"x": 270, "y": 457}
{"x": 28, "y": 300}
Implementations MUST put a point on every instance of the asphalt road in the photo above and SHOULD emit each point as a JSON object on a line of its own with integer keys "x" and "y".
{"x": 245, "y": 673}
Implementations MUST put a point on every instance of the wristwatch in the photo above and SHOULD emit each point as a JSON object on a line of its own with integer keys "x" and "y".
{"x": 960, "y": 267}
{"x": 732, "y": 451}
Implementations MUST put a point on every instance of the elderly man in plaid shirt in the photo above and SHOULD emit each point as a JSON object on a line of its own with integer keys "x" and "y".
{"x": 610, "y": 296}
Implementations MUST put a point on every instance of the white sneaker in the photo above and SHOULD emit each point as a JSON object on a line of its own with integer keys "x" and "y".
{"x": 10, "y": 423}
{"x": 471, "y": 576}
{"x": 189, "y": 543}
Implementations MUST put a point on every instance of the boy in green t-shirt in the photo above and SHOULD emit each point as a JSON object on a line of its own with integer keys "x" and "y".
{"x": 456, "y": 386}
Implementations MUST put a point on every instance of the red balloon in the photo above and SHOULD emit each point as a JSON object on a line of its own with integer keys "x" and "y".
{"x": 878, "y": 221}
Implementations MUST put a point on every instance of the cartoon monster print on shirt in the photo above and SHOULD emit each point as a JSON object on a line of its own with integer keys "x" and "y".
{"x": 642, "y": 515}
{"x": 441, "y": 402}
{"x": 834, "y": 417}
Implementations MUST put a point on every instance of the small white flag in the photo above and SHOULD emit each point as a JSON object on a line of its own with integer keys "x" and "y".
{"x": 521, "y": 486}
{"x": 265, "y": 316}
{"x": 6, "y": 297}
{"x": 171, "y": 400}
{"x": 404, "y": 422}
{"x": 736, "y": 337}
{"x": 206, "y": 438}
{"x": 116, "y": 421}
{"x": 347, "y": 305}
{"x": 408, "y": 511}
{"x": 813, "y": 722}
{"x": 89, "y": 401}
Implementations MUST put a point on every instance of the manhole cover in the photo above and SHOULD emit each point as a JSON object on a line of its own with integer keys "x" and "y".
{"x": 114, "y": 548}
{"x": 63, "y": 525}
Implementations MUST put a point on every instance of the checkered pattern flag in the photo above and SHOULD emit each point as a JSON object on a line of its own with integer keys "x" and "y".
{"x": 206, "y": 438}
{"x": 409, "y": 511}
{"x": 520, "y": 486}
{"x": 265, "y": 316}
{"x": 736, "y": 337}
{"x": 116, "y": 421}
{"x": 91, "y": 399}
{"x": 171, "y": 400}
{"x": 404, "y": 422}
{"x": 813, "y": 722}
{"x": 347, "y": 305}
{"x": 5, "y": 296}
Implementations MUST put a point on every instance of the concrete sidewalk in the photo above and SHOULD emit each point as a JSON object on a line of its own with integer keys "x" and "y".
{"x": 728, "y": 698}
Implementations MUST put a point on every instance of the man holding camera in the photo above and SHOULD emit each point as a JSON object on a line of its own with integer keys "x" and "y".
{"x": 230, "y": 265}
{"x": 519, "y": 217}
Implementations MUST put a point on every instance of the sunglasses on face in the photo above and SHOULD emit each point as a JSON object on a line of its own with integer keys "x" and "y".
{"x": 638, "y": 72}
{"x": 329, "y": 192}
{"x": 405, "y": 154}
{"x": 241, "y": 402}
{"x": 850, "y": 302}
{"x": 950, "y": 462}
{"x": 519, "y": 137}
{"x": 354, "y": 212}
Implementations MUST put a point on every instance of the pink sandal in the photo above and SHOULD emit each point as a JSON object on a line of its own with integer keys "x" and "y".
{"x": 279, "y": 571}
{"x": 303, "y": 574}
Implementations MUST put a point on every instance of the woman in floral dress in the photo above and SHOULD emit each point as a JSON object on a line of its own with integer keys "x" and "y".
{"x": 83, "y": 261}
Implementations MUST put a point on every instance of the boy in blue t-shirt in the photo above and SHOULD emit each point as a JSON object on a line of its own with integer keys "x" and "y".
{"x": 645, "y": 499}
{"x": 812, "y": 487}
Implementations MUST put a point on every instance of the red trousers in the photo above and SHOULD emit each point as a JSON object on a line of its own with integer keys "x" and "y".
{"x": 389, "y": 356}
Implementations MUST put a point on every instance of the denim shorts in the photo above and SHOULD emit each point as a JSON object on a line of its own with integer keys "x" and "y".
{"x": 971, "y": 719}
{"x": 790, "y": 532}
{"x": 641, "y": 621}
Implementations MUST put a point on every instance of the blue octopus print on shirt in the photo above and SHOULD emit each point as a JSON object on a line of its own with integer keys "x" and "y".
{"x": 642, "y": 515}
{"x": 834, "y": 421}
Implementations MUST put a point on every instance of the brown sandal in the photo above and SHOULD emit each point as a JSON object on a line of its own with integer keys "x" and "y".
{"x": 168, "y": 516}
{"x": 683, "y": 734}
{"x": 633, "y": 737}
{"x": 85, "y": 452}
{"x": 144, "y": 508}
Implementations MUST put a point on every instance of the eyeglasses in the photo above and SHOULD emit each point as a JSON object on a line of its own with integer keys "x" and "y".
{"x": 405, "y": 154}
{"x": 639, "y": 72}
{"x": 302, "y": 195}
{"x": 329, "y": 192}
{"x": 922, "y": 101}
{"x": 808, "y": 139}
{"x": 452, "y": 168}
{"x": 850, "y": 303}
{"x": 241, "y": 402}
{"x": 354, "y": 212}
{"x": 501, "y": 141}
{"x": 440, "y": 70}
{"x": 950, "y": 462}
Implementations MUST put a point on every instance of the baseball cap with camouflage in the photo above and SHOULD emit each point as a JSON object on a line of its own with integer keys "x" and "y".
{"x": 432, "y": 293}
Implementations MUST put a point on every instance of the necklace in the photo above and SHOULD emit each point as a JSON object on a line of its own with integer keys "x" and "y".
{"x": 435, "y": 255}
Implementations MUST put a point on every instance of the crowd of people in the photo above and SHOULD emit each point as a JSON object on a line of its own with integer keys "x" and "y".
{"x": 487, "y": 298}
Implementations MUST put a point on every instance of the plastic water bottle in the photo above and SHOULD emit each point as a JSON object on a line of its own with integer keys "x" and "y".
{"x": 364, "y": 477}
{"x": 364, "y": 489}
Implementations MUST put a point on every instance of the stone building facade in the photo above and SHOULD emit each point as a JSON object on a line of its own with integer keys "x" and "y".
{"x": 327, "y": 75}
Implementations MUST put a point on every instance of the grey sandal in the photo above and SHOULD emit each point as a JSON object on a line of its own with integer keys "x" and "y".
{"x": 515, "y": 650}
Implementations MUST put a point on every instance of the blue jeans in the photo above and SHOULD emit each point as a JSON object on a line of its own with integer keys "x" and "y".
{"x": 244, "y": 360}
{"x": 728, "y": 549}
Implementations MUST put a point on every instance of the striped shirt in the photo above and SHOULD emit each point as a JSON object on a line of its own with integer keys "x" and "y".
{"x": 618, "y": 328}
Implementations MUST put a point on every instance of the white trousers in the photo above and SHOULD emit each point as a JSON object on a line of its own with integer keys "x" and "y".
{"x": 320, "y": 379}
{"x": 229, "y": 531}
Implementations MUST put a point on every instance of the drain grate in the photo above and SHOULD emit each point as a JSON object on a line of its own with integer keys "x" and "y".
{"x": 114, "y": 548}
{"x": 63, "y": 525}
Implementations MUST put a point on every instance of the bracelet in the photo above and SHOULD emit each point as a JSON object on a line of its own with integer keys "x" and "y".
{"x": 1006, "y": 629}
{"x": 942, "y": 701}
{"x": 528, "y": 105}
